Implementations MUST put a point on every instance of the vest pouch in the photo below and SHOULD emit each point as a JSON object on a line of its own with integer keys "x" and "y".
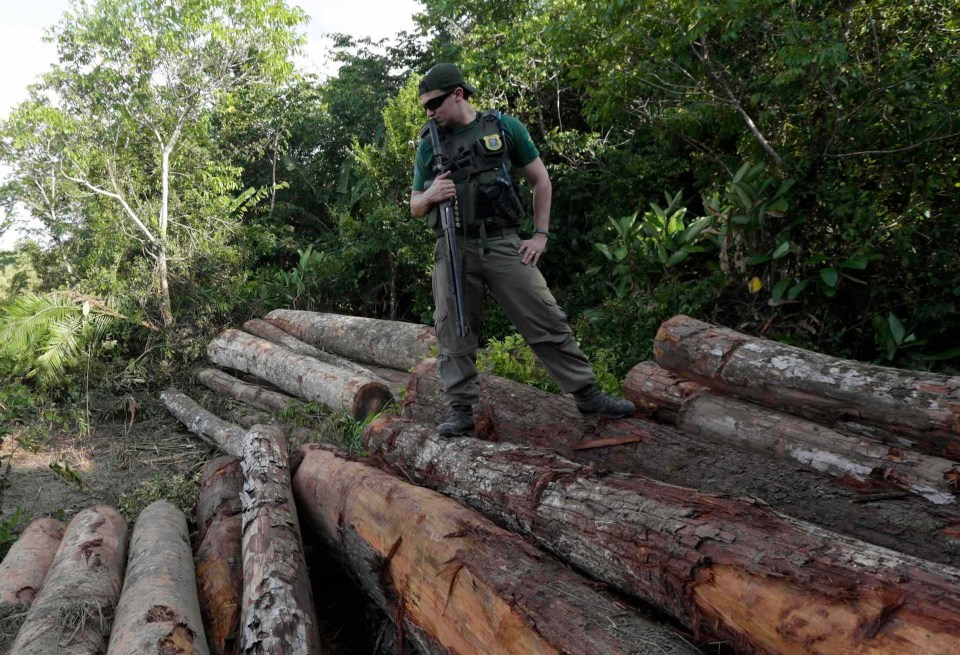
{"x": 504, "y": 199}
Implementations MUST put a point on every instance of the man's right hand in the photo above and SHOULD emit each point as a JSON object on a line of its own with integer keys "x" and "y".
{"x": 441, "y": 189}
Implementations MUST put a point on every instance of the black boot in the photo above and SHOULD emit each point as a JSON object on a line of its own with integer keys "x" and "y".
{"x": 459, "y": 422}
{"x": 592, "y": 401}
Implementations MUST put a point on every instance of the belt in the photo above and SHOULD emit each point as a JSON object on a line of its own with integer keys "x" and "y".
{"x": 492, "y": 232}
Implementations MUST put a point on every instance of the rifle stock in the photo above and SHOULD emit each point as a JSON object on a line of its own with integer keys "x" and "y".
{"x": 449, "y": 222}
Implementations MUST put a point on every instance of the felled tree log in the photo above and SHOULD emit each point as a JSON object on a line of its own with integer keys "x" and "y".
{"x": 278, "y": 615}
{"x": 22, "y": 573}
{"x": 702, "y": 413}
{"x": 158, "y": 612}
{"x": 731, "y": 568}
{"x": 304, "y": 377}
{"x": 921, "y": 410}
{"x": 218, "y": 554}
{"x": 513, "y": 412}
{"x": 251, "y": 394}
{"x": 73, "y": 612}
{"x": 367, "y": 340}
{"x": 219, "y": 433}
{"x": 454, "y": 580}
{"x": 273, "y": 334}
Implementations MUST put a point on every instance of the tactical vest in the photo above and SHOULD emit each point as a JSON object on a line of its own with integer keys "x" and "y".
{"x": 481, "y": 169}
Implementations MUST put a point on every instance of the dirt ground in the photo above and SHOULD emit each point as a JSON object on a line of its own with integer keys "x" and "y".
{"x": 126, "y": 455}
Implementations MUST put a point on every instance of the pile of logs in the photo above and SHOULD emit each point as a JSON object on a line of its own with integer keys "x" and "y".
{"x": 779, "y": 501}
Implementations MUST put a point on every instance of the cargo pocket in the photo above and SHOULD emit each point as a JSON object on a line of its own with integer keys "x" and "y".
{"x": 545, "y": 321}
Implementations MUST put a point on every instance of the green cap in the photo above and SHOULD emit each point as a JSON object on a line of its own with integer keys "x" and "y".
{"x": 445, "y": 77}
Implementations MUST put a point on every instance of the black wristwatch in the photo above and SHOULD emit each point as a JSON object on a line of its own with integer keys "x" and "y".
{"x": 540, "y": 230}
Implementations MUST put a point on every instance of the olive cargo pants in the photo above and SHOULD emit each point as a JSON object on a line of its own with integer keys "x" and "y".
{"x": 523, "y": 294}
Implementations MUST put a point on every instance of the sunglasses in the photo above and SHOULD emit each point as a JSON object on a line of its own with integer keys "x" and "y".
{"x": 433, "y": 104}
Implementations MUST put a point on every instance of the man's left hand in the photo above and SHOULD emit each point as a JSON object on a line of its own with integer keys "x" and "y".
{"x": 531, "y": 249}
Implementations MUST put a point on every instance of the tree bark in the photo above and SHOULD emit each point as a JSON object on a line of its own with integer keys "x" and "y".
{"x": 906, "y": 408}
{"x": 513, "y": 412}
{"x": 251, "y": 394}
{"x": 22, "y": 573}
{"x": 158, "y": 611}
{"x": 302, "y": 376}
{"x": 367, "y": 340}
{"x": 218, "y": 554}
{"x": 73, "y": 612}
{"x": 456, "y": 582}
{"x": 728, "y": 568}
{"x": 278, "y": 615}
{"x": 701, "y": 413}
{"x": 273, "y": 334}
{"x": 215, "y": 431}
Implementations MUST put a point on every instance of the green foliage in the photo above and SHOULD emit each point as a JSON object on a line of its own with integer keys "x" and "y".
{"x": 10, "y": 528}
{"x": 179, "y": 490}
{"x": 51, "y": 333}
{"x": 512, "y": 358}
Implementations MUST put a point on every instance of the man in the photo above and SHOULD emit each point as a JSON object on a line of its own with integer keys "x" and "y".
{"x": 481, "y": 149}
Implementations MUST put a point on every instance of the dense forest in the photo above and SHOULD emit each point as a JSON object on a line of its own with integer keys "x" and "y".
{"x": 787, "y": 169}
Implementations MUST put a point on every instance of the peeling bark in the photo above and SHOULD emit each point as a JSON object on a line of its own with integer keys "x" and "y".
{"x": 73, "y": 612}
{"x": 906, "y": 408}
{"x": 455, "y": 581}
{"x": 251, "y": 394}
{"x": 302, "y": 376}
{"x": 212, "y": 429}
{"x": 278, "y": 615}
{"x": 273, "y": 334}
{"x": 729, "y": 568}
{"x": 701, "y": 413}
{"x": 909, "y": 524}
{"x": 218, "y": 554}
{"x": 22, "y": 573}
{"x": 158, "y": 612}
{"x": 394, "y": 344}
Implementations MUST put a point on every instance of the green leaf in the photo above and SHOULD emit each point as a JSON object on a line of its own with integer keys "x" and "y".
{"x": 780, "y": 288}
{"x": 620, "y": 253}
{"x": 830, "y": 276}
{"x": 662, "y": 254}
{"x": 605, "y": 249}
{"x": 797, "y": 289}
{"x": 781, "y": 250}
{"x": 858, "y": 262}
{"x": 676, "y": 258}
{"x": 758, "y": 259}
{"x": 897, "y": 331}
{"x": 695, "y": 228}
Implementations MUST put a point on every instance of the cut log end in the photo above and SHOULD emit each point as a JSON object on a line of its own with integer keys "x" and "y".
{"x": 370, "y": 399}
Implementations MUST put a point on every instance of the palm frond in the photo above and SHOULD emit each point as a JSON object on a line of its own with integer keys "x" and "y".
{"x": 49, "y": 332}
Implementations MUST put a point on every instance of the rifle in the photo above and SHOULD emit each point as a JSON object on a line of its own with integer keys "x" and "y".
{"x": 450, "y": 221}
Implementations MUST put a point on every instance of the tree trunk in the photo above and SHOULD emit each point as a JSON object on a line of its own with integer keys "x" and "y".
{"x": 909, "y": 524}
{"x": 456, "y": 582}
{"x": 215, "y": 431}
{"x": 218, "y": 554}
{"x": 163, "y": 277}
{"x": 273, "y": 334}
{"x": 158, "y": 611}
{"x": 251, "y": 394}
{"x": 302, "y": 376}
{"x": 741, "y": 424}
{"x": 278, "y": 615}
{"x": 22, "y": 573}
{"x": 73, "y": 612}
{"x": 367, "y": 340}
{"x": 732, "y": 568}
{"x": 921, "y": 410}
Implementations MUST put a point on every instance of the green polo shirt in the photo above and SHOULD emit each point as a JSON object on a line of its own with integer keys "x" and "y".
{"x": 519, "y": 145}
